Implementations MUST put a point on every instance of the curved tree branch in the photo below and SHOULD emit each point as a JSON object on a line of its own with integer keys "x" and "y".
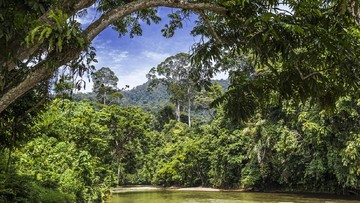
{"x": 108, "y": 18}
{"x": 41, "y": 73}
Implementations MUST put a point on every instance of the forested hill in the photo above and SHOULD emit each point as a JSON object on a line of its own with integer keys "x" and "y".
{"x": 140, "y": 96}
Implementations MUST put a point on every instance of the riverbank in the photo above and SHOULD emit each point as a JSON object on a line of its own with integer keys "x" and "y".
{"x": 142, "y": 188}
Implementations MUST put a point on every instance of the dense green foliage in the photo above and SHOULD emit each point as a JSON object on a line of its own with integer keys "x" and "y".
{"x": 293, "y": 48}
{"x": 295, "y": 149}
{"x": 75, "y": 151}
{"x": 78, "y": 150}
{"x": 289, "y": 120}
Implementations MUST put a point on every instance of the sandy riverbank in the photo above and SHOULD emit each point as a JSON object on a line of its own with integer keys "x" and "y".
{"x": 140, "y": 188}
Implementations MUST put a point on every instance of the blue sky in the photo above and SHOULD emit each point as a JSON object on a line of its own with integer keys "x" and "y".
{"x": 132, "y": 58}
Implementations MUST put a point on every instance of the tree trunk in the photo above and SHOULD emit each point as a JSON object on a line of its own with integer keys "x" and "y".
{"x": 118, "y": 172}
{"x": 117, "y": 158}
{"x": 189, "y": 107}
{"x": 177, "y": 111}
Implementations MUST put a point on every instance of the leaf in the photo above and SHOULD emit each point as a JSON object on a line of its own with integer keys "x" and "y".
{"x": 33, "y": 33}
{"x": 68, "y": 34}
{"x": 42, "y": 34}
{"x": 48, "y": 32}
{"x": 59, "y": 44}
{"x": 51, "y": 44}
{"x": 267, "y": 16}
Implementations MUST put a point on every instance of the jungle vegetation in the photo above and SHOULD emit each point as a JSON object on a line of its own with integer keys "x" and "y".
{"x": 76, "y": 151}
{"x": 289, "y": 119}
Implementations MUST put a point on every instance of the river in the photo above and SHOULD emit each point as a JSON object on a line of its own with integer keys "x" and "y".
{"x": 224, "y": 197}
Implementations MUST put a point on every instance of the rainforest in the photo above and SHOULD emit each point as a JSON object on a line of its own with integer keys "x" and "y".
{"x": 78, "y": 150}
{"x": 286, "y": 118}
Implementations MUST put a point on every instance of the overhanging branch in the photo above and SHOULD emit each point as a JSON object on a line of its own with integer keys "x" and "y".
{"x": 211, "y": 27}
{"x": 40, "y": 73}
{"x": 108, "y": 18}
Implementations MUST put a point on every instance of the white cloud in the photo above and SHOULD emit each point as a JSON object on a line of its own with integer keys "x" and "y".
{"x": 111, "y": 58}
{"x": 101, "y": 43}
{"x": 117, "y": 56}
{"x": 133, "y": 79}
{"x": 155, "y": 56}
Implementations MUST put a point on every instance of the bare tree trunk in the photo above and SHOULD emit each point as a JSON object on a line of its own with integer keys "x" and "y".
{"x": 189, "y": 107}
{"x": 177, "y": 111}
{"x": 117, "y": 157}
{"x": 118, "y": 172}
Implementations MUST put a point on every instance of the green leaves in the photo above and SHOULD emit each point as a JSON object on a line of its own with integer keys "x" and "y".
{"x": 239, "y": 103}
{"x": 132, "y": 23}
{"x": 79, "y": 146}
{"x": 295, "y": 29}
{"x": 176, "y": 19}
{"x": 61, "y": 31}
{"x": 308, "y": 47}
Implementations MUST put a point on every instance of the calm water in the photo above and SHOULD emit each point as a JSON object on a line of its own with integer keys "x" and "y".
{"x": 223, "y": 197}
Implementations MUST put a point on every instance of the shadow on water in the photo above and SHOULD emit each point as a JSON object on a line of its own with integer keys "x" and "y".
{"x": 225, "y": 197}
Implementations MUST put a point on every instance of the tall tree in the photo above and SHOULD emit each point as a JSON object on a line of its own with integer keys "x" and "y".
{"x": 127, "y": 126}
{"x": 105, "y": 86}
{"x": 175, "y": 73}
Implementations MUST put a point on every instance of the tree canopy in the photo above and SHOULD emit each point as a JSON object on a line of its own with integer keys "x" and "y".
{"x": 175, "y": 72}
{"x": 105, "y": 86}
{"x": 302, "y": 49}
